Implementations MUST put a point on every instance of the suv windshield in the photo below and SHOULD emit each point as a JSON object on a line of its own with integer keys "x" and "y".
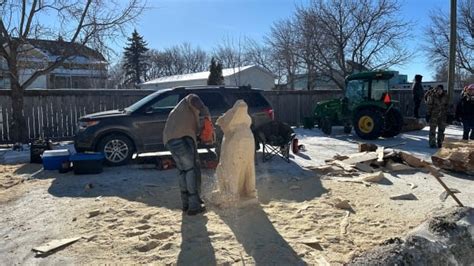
{"x": 137, "y": 105}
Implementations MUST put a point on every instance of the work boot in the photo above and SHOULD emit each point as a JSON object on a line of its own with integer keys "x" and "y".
{"x": 195, "y": 206}
{"x": 440, "y": 143}
{"x": 432, "y": 144}
{"x": 196, "y": 211}
{"x": 184, "y": 201}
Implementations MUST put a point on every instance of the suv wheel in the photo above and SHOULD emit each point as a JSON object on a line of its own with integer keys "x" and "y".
{"x": 117, "y": 149}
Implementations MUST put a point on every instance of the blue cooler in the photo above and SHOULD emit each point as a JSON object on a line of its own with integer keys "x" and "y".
{"x": 53, "y": 159}
{"x": 87, "y": 163}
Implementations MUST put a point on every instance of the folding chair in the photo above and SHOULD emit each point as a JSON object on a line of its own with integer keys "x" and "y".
{"x": 276, "y": 138}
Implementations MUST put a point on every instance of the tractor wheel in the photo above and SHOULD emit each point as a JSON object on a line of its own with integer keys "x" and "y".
{"x": 393, "y": 123}
{"x": 347, "y": 129}
{"x": 317, "y": 122}
{"x": 368, "y": 123}
{"x": 326, "y": 125}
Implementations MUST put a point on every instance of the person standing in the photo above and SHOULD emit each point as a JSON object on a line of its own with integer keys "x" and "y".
{"x": 437, "y": 108}
{"x": 417, "y": 89}
{"x": 180, "y": 136}
{"x": 465, "y": 112}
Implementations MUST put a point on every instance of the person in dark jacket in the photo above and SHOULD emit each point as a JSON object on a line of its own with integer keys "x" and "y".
{"x": 465, "y": 112}
{"x": 418, "y": 93}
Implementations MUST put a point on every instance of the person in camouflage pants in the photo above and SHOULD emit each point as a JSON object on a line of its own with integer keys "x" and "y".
{"x": 437, "y": 108}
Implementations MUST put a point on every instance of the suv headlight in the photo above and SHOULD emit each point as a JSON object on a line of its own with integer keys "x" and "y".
{"x": 85, "y": 124}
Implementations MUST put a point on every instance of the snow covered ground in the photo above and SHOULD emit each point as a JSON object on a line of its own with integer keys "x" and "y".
{"x": 320, "y": 146}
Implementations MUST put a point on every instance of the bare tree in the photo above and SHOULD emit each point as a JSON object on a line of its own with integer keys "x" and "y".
{"x": 177, "y": 60}
{"x": 336, "y": 38}
{"x": 261, "y": 55}
{"x": 438, "y": 39}
{"x": 116, "y": 76}
{"x": 195, "y": 59}
{"x": 230, "y": 54}
{"x": 80, "y": 22}
{"x": 283, "y": 42}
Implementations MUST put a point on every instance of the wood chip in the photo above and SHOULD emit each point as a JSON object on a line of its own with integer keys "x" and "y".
{"x": 93, "y": 213}
{"x": 364, "y": 167}
{"x": 324, "y": 169}
{"x": 408, "y": 196}
{"x": 364, "y": 157}
{"x": 53, "y": 245}
{"x": 393, "y": 166}
{"x": 433, "y": 171}
{"x": 380, "y": 154}
{"x": 342, "y": 204}
{"x": 412, "y": 160}
{"x": 344, "y": 166}
{"x": 374, "y": 177}
{"x": 311, "y": 242}
{"x": 344, "y": 224}
{"x": 443, "y": 196}
{"x": 367, "y": 147}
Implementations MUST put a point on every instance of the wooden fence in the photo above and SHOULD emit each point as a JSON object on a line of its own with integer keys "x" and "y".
{"x": 54, "y": 113}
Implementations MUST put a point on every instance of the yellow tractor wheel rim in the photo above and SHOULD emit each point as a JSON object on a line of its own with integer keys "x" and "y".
{"x": 366, "y": 124}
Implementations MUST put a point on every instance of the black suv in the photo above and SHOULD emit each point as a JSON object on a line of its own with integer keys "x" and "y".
{"x": 139, "y": 128}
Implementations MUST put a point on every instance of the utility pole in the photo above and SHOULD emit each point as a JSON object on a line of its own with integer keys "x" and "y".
{"x": 452, "y": 50}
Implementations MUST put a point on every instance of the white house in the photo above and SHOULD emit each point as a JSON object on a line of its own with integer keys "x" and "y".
{"x": 87, "y": 68}
{"x": 255, "y": 76}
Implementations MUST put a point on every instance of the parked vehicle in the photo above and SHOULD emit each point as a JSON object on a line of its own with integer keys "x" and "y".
{"x": 366, "y": 106}
{"x": 139, "y": 128}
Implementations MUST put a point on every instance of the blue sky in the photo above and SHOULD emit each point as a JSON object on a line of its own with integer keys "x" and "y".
{"x": 206, "y": 23}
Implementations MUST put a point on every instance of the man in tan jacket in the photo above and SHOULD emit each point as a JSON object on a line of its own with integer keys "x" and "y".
{"x": 180, "y": 137}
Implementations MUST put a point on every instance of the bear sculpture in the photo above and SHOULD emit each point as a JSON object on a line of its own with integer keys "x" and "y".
{"x": 236, "y": 168}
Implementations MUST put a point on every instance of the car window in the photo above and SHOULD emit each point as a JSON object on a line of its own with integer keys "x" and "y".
{"x": 212, "y": 100}
{"x": 252, "y": 99}
{"x": 168, "y": 102}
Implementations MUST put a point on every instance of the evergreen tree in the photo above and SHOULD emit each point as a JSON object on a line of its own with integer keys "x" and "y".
{"x": 135, "y": 63}
{"x": 215, "y": 77}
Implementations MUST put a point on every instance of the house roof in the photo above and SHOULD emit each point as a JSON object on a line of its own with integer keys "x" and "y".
{"x": 199, "y": 75}
{"x": 57, "y": 48}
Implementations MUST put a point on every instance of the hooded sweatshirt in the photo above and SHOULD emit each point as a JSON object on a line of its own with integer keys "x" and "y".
{"x": 183, "y": 120}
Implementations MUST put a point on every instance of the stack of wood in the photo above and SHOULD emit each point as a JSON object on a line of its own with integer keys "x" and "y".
{"x": 367, "y": 165}
{"x": 455, "y": 156}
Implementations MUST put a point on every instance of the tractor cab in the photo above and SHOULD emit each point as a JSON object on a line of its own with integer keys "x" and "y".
{"x": 367, "y": 106}
{"x": 368, "y": 86}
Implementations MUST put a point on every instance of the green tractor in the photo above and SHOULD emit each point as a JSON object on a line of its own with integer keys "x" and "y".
{"x": 366, "y": 106}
